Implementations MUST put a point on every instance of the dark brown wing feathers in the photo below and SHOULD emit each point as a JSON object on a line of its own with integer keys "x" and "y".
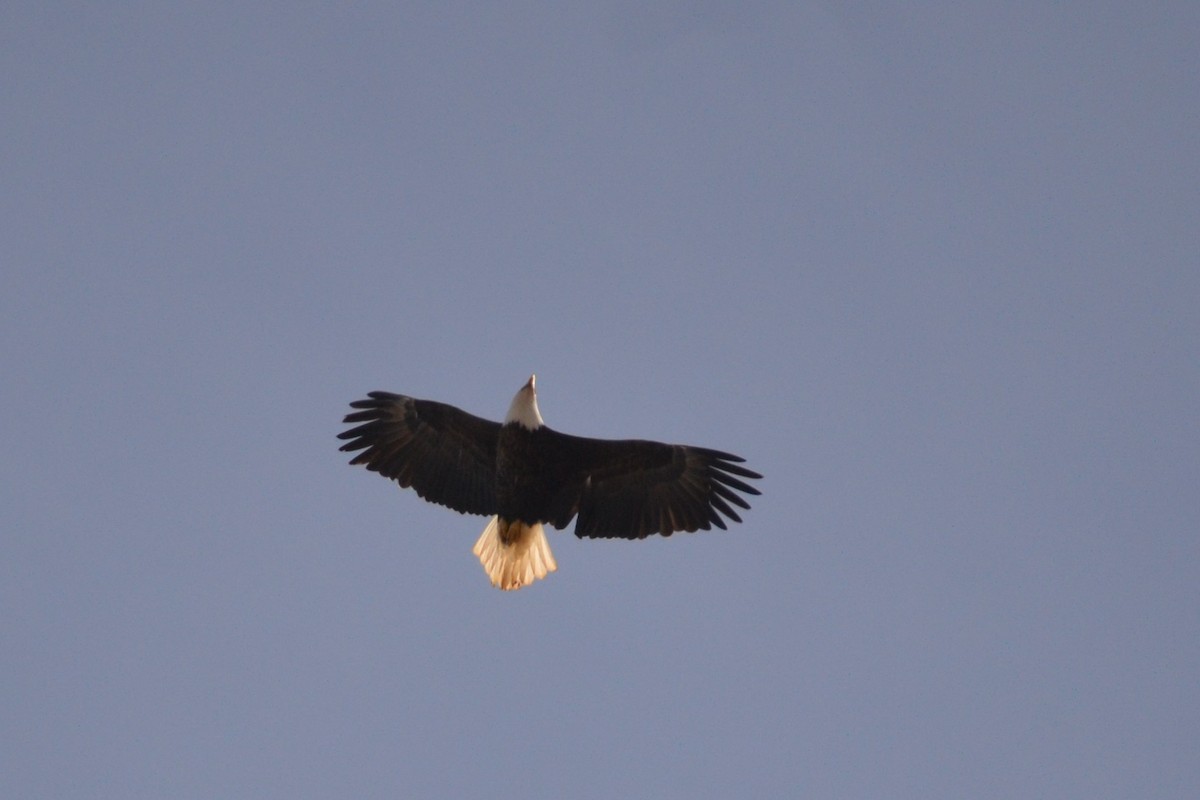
{"x": 631, "y": 489}
{"x": 447, "y": 455}
{"x": 627, "y": 489}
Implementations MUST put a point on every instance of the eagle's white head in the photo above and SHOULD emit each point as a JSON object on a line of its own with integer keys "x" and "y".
{"x": 524, "y": 408}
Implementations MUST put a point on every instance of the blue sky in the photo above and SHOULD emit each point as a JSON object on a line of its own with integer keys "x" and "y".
{"x": 931, "y": 270}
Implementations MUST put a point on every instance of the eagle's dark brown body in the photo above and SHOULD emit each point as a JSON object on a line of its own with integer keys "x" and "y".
{"x": 528, "y": 474}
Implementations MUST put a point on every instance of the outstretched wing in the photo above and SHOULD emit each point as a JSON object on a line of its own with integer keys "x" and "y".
{"x": 447, "y": 455}
{"x": 630, "y": 489}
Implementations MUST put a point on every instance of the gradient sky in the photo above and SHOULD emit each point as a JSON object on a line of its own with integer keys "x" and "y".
{"x": 933, "y": 271}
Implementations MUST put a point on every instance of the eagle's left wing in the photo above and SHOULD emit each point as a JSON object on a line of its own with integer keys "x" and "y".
{"x": 630, "y": 489}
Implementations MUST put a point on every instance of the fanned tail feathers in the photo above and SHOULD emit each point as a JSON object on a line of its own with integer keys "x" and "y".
{"x": 524, "y": 559}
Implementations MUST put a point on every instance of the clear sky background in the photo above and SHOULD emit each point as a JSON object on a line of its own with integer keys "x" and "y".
{"x": 932, "y": 270}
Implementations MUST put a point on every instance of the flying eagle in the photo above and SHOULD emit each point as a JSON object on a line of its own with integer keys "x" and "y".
{"x": 525, "y": 474}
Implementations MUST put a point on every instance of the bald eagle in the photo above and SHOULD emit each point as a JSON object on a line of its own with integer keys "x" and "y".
{"x": 525, "y": 474}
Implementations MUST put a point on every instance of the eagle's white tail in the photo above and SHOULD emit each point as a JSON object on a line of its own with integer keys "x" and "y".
{"x": 524, "y": 559}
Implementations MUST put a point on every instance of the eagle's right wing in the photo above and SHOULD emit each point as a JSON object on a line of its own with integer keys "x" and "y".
{"x": 447, "y": 455}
